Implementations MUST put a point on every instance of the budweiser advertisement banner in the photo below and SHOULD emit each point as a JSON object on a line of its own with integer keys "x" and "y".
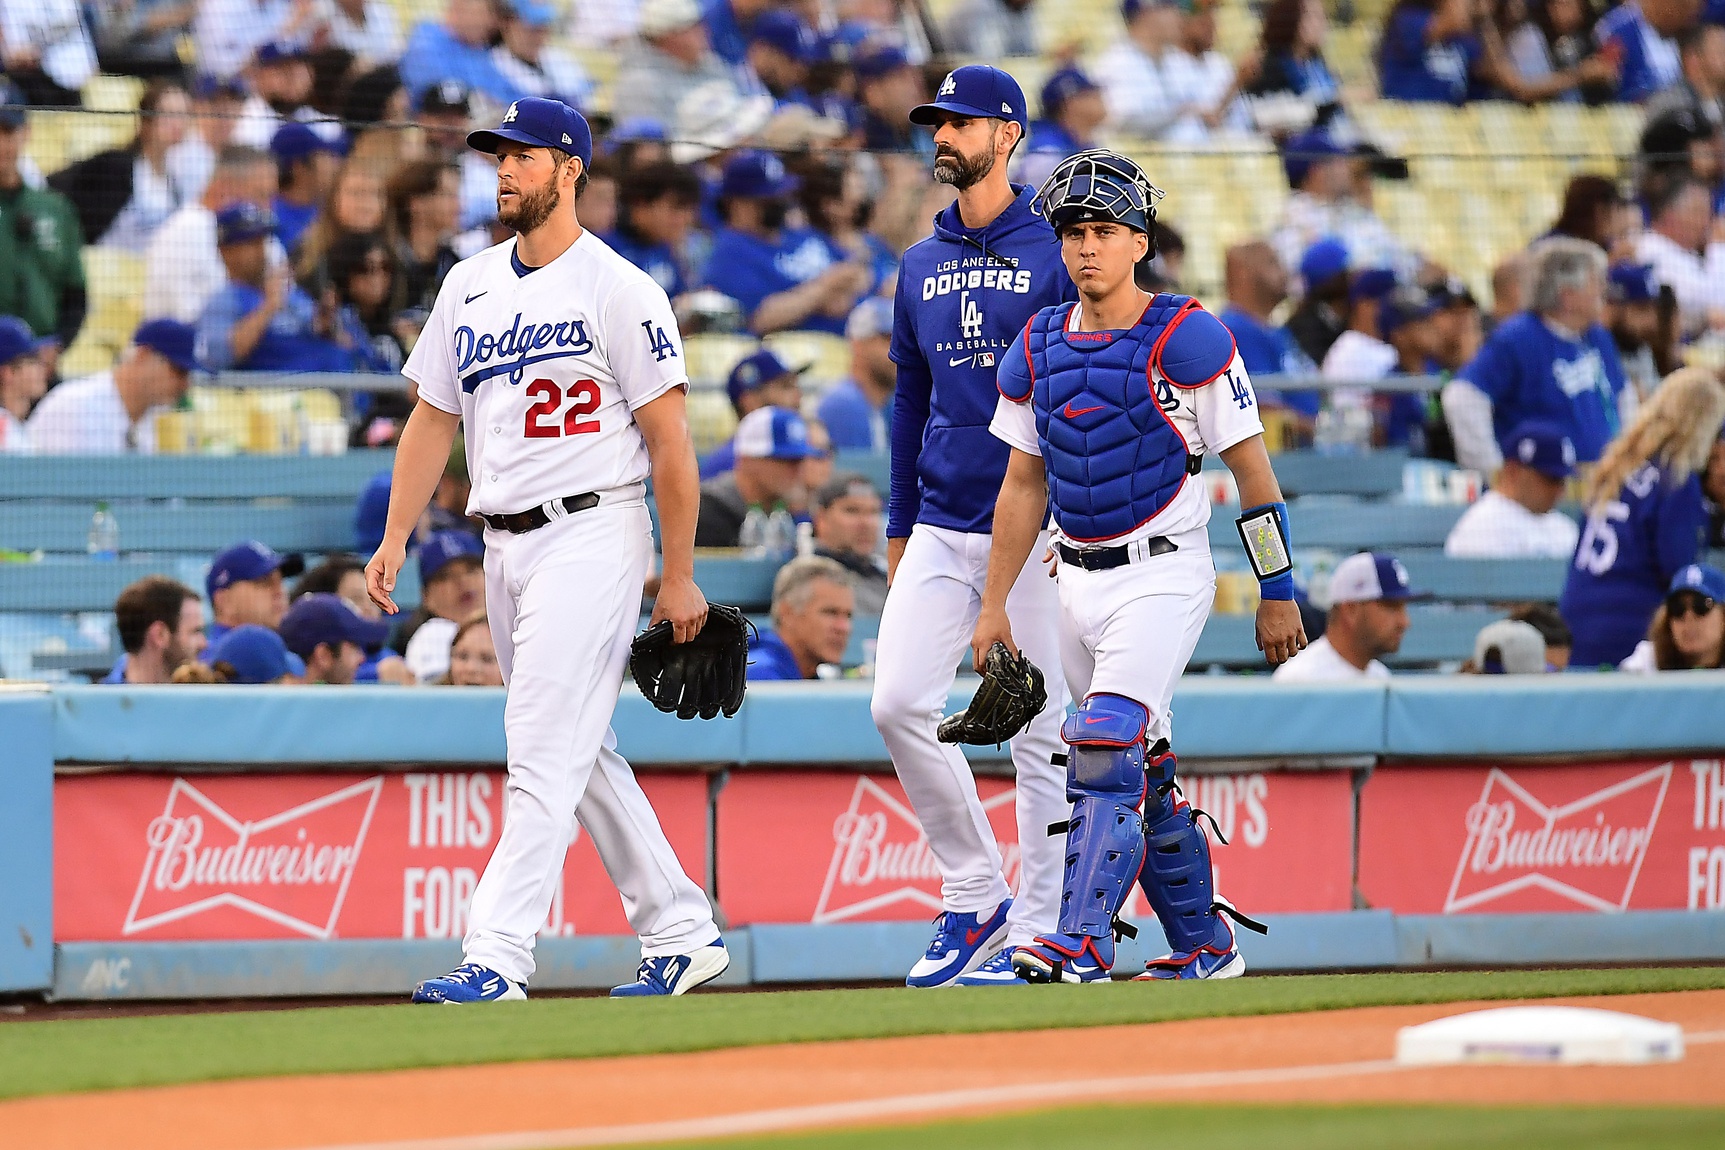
{"x": 316, "y": 856}
{"x": 1601, "y": 836}
{"x": 826, "y": 847}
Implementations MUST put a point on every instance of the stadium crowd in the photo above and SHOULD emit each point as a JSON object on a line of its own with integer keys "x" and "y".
{"x": 299, "y": 185}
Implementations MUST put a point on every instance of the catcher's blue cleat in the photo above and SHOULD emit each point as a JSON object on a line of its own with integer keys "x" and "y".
{"x": 674, "y": 974}
{"x": 997, "y": 971}
{"x": 1065, "y": 958}
{"x": 961, "y": 942}
{"x": 469, "y": 982}
{"x": 1220, "y": 958}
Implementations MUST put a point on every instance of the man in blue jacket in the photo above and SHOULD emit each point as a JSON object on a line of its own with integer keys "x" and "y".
{"x": 964, "y": 294}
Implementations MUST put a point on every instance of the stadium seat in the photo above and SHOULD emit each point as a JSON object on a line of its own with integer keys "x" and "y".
{"x": 827, "y": 357}
{"x": 712, "y": 355}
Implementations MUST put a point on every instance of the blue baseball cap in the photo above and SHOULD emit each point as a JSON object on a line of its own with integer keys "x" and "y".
{"x": 871, "y": 62}
{"x": 1369, "y": 576}
{"x": 256, "y": 654}
{"x": 1328, "y": 257}
{"x": 1372, "y": 283}
{"x": 638, "y": 128}
{"x": 756, "y": 175}
{"x": 1404, "y": 306}
{"x": 279, "y": 52}
{"x": 842, "y": 44}
{"x": 773, "y": 433}
{"x": 976, "y": 90}
{"x": 539, "y": 123}
{"x": 12, "y": 104}
{"x": 208, "y": 85}
{"x": 324, "y": 618}
{"x": 294, "y": 141}
{"x": 17, "y": 340}
{"x": 1308, "y": 148}
{"x": 174, "y": 341}
{"x": 444, "y": 548}
{"x": 532, "y": 13}
{"x": 1631, "y": 283}
{"x": 785, "y": 30}
{"x": 1062, "y": 86}
{"x": 239, "y": 222}
{"x": 1700, "y": 578}
{"x": 246, "y": 561}
{"x": 1543, "y": 446}
{"x": 755, "y": 369}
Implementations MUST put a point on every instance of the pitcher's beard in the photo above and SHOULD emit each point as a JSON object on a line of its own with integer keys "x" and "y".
{"x": 530, "y": 210}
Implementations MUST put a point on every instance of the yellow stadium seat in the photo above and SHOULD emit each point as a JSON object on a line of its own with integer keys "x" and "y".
{"x": 711, "y": 418}
{"x": 112, "y": 93}
{"x": 711, "y": 356}
{"x": 828, "y": 357}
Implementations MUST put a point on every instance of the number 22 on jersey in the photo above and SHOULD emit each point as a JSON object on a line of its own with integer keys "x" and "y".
{"x": 584, "y": 393}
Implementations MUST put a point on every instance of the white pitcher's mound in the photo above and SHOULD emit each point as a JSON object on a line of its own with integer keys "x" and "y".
{"x": 1569, "y": 1035}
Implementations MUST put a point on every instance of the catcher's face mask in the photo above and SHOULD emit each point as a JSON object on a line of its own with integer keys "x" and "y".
{"x": 1099, "y": 185}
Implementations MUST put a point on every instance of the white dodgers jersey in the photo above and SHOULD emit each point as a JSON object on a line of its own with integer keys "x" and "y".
{"x": 545, "y": 366}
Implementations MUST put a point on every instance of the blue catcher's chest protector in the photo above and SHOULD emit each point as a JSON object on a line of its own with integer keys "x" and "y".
{"x": 1114, "y": 459}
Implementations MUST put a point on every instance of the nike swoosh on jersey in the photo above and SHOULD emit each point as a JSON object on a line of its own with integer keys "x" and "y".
{"x": 1071, "y": 414}
{"x": 476, "y": 295}
{"x": 961, "y": 359}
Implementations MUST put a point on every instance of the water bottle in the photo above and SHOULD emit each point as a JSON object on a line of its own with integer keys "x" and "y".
{"x": 805, "y": 539}
{"x": 781, "y": 538}
{"x": 104, "y": 540}
{"x": 753, "y": 536}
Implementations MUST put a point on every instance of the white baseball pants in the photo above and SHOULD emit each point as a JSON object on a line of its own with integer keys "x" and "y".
{"x": 925, "y": 629}
{"x": 563, "y": 603}
{"x": 1131, "y": 630}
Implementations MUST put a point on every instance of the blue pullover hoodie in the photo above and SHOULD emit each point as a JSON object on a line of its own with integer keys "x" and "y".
{"x": 963, "y": 295}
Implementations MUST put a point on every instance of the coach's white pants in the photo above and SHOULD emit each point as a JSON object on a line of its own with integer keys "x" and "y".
{"x": 1131, "y": 630}
{"x": 563, "y": 603}
{"x": 925, "y": 628}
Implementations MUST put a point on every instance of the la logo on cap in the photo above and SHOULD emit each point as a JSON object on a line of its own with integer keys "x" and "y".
{"x": 509, "y": 116}
{"x": 949, "y": 85}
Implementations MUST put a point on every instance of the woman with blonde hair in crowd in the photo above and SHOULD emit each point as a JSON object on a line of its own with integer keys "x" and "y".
{"x": 1649, "y": 502}
{"x": 473, "y": 656}
{"x": 1688, "y": 632}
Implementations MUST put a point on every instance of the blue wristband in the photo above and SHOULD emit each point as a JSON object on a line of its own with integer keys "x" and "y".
{"x": 1264, "y": 533}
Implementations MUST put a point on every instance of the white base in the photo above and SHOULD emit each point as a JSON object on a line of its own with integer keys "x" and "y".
{"x": 1550, "y": 1035}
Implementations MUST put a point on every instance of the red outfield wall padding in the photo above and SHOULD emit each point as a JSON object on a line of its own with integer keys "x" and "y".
{"x": 1477, "y": 839}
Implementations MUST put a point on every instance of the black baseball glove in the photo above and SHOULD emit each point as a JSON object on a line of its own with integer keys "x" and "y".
{"x": 701, "y": 677}
{"x": 1012, "y": 694}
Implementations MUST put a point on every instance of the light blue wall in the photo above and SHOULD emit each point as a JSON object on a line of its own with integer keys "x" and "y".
{"x": 26, "y": 840}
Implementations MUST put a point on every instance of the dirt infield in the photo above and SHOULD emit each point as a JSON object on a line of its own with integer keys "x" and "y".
{"x": 1334, "y": 1056}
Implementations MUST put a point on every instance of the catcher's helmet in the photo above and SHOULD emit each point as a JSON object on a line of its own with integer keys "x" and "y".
{"x": 1099, "y": 185}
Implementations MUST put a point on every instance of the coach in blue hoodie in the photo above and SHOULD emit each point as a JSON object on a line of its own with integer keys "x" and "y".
{"x": 964, "y": 294}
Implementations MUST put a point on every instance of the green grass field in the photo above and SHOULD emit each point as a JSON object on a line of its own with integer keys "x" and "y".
{"x": 1244, "y": 1127}
{"x": 90, "y": 1054}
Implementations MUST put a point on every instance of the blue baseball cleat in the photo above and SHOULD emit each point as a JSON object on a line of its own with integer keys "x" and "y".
{"x": 960, "y": 944}
{"x": 1220, "y": 958}
{"x": 469, "y": 982}
{"x": 1065, "y": 958}
{"x": 997, "y": 971}
{"x": 674, "y": 974}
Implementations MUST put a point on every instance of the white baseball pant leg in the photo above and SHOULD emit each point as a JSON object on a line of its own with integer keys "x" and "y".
{"x": 1131, "y": 630}
{"x": 563, "y": 603}
{"x": 925, "y": 630}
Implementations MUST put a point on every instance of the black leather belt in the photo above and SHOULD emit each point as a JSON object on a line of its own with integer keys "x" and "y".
{"x": 1108, "y": 558}
{"x": 521, "y": 522}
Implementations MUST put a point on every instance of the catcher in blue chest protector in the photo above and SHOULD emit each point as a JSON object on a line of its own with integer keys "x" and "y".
{"x": 1109, "y": 405}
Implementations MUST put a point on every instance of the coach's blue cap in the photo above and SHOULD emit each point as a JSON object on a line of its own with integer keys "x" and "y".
{"x": 1062, "y": 86}
{"x": 243, "y": 221}
{"x": 174, "y": 341}
{"x": 785, "y": 30}
{"x": 1370, "y": 576}
{"x": 247, "y": 561}
{"x": 1328, "y": 257}
{"x": 756, "y": 175}
{"x": 256, "y": 655}
{"x": 773, "y": 433}
{"x": 976, "y": 90}
{"x": 539, "y": 123}
{"x": 324, "y": 618}
{"x": 756, "y": 369}
{"x": 294, "y": 140}
{"x": 1543, "y": 446}
{"x": 1631, "y": 283}
{"x": 1308, "y": 148}
{"x": 445, "y": 548}
{"x": 1700, "y": 578}
{"x": 17, "y": 340}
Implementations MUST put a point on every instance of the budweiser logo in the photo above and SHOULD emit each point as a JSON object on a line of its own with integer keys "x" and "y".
{"x": 1588, "y": 851}
{"x": 292, "y": 869}
{"x": 882, "y": 859}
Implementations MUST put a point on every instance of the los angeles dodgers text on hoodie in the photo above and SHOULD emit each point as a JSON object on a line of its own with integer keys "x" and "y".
{"x": 964, "y": 294}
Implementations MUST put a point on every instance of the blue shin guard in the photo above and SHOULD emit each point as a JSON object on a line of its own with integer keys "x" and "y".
{"x": 1177, "y": 878}
{"x": 1105, "y": 844}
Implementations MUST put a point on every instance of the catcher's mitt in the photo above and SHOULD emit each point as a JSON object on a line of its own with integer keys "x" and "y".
{"x": 701, "y": 677}
{"x": 1012, "y": 694}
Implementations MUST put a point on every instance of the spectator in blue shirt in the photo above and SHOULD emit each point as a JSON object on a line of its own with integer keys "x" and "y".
{"x": 306, "y": 164}
{"x": 728, "y": 23}
{"x": 458, "y": 48}
{"x": 1648, "y": 505}
{"x": 1072, "y": 112}
{"x": 656, "y": 206}
{"x": 1641, "y": 37}
{"x": 261, "y": 320}
{"x": 857, "y": 410}
{"x": 833, "y": 194}
{"x": 1257, "y": 283}
{"x": 812, "y": 608}
{"x": 783, "y": 277}
{"x": 1293, "y": 62}
{"x": 1428, "y": 51}
{"x": 781, "y": 48}
{"x": 760, "y": 379}
{"x": 161, "y": 625}
{"x": 1554, "y": 362}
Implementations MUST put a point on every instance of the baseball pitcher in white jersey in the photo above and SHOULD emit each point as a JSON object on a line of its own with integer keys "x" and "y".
{"x": 564, "y": 363}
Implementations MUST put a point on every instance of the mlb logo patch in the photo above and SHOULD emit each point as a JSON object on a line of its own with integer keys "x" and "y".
{"x": 985, "y": 359}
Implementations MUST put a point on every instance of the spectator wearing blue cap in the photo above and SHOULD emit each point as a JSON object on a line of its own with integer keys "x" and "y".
{"x": 41, "y": 270}
{"x": 1325, "y": 174}
{"x": 183, "y": 265}
{"x": 532, "y": 65}
{"x": 889, "y": 89}
{"x": 1632, "y": 316}
{"x": 1518, "y": 517}
{"x": 656, "y": 208}
{"x": 344, "y": 575}
{"x": 262, "y": 320}
{"x": 124, "y": 194}
{"x": 1367, "y": 620}
{"x": 1390, "y": 332}
{"x": 672, "y": 58}
{"x": 783, "y": 277}
{"x": 1688, "y": 629}
{"x": 781, "y": 48}
{"x": 332, "y": 637}
{"x": 451, "y": 591}
{"x": 771, "y": 445}
{"x": 1072, "y": 112}
{"x": 244, "y": 585}
{"x": 1322, "y": 313}
{"x": 23, "y": 379}
{"x": 281, "y": 79}
{"x": 456, "y": 48}
{"x": 1256, "y": 284}
{"x": 760, "y": 379}
{"x": 858, "y": 408}
{"x": 161, "y": 626}
{"x": 254, "y": 656}
{"x": 114, "y": 412}
{"x": 1553, "y": 362}
{"x": 306, "y": 164}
